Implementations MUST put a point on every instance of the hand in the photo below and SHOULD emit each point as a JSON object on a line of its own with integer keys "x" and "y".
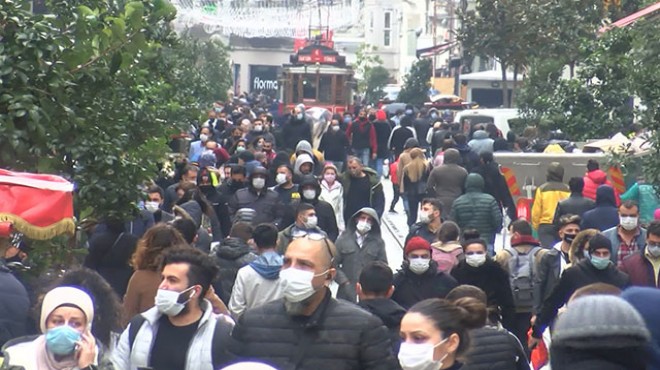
{"x": 86, "y": 350}
{"x": 532, "y": 321}
{"x": 216, "y": 302}
{"x": 533, "y": 342}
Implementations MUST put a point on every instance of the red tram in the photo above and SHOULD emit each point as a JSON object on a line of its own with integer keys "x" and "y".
{"x": 317, "y": 77}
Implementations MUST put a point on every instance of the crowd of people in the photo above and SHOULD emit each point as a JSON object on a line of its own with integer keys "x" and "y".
{"x": 265, "y": 249}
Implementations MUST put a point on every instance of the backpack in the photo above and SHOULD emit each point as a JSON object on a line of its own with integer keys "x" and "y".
{"x": 521, "y": 276}
{"x": 446, "y": 260}
{"x": 222, "y": 331}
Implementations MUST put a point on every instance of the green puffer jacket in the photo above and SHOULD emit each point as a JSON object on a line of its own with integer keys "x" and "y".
{"x": 476, "y": 209}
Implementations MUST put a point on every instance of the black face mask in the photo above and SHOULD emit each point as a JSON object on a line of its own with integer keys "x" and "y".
{"x": 372, "y": 117}
{"x": 568, "y": 238}
{"x": 235, "y": 185}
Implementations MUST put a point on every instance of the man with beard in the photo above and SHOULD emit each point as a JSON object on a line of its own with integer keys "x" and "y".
{"x": 180, "y": 331}
{"x": 308, "y": 329}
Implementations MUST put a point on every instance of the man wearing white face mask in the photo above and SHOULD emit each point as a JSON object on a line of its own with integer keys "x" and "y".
{"x": 307, "y": 328}
{"x": 419, "y": 278}
{"x": 306, "y": 223}
{"x": 360, "y": 244}
{"x": 265, "y": 202}
{"x": 644, "y": 266}
{"x": 180, "y": 331}
{"x": 628, "y": 237}
{"x": 285, "y": 188}
{"x": 310, "y": 190}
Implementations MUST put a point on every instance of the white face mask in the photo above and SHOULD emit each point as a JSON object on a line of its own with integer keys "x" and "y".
{"x": 419, "y": 265}
{"x": 258, "y": 183}
{"x": 628, "y": 223}
{"x": 311, "y": 222}
{"x": 475, "y": 260}
{"x": 425, "y": 217}
{"x": 309, "y": 194}
{"x": 654, "y": 250}
{"x": 204, "y": 137}
{"x": 258, "y": 128}
{"x": 280, "y": 178}
{"x": 167, "y": 301}
{"x": 419, "y": 356}
{"x": 297, "y": 284}
{"x": 363, "y": 226}
{"x": 151, "y": 206}
{"x": 335, "y": 128}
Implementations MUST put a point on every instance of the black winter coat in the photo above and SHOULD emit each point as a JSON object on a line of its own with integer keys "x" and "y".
{"x": 267, "y": 206}
{"x": 410, "y": 288}
{"x": 295, "y": 131}
{"x": 383, "y": 131}
{"x": 398, "y": 139}
{"x": 14, "y": 306}
{"x": 338, "y": 336}
{"x": 390, "y": 313}
{"x": 334, "y": 146}
{"x": 494, "y": 281}
{"x": 230, "y": 256}
{"x": 497, "y": 187}
{"x": 109, "y": 255}
{"x": 546, "y": 277}
{"x": 574, "y": 278}
{"x": 576, "y": 204}
{"x": 494, "y": 349}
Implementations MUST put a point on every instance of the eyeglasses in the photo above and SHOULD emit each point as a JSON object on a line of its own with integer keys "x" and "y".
{"x": 316, "y": 237}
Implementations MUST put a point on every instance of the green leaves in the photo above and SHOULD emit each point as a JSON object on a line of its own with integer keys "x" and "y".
{"x": 416, "y": 83}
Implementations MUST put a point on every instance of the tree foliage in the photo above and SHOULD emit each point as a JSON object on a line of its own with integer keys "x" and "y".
{"x": 369, "y": 73}
{"x": 93, "y": 91}
{"x": 376, "y": 80}
{"x": 417, "y": 83}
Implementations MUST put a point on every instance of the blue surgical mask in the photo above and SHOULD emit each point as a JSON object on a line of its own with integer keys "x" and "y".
{"x": 434, "y": 115}
{"x": 600, "y": 263}
{"x": 347, "y": 119}
{"x": 409, "y": 112}
{"x": 61, "y": 340}
{"x": 299, "y": 116}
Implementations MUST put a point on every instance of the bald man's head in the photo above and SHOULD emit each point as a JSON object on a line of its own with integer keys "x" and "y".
{"x": 310, "y": 254}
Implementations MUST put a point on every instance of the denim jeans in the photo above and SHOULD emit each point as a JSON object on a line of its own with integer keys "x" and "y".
{"x": 377, "y": 164}
{"x": 363, "y": 155}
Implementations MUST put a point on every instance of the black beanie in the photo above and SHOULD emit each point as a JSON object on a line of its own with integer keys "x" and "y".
{"x": 599, "y": 241}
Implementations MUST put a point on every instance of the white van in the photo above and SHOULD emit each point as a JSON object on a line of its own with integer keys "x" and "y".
{"x": 500, "y": 117}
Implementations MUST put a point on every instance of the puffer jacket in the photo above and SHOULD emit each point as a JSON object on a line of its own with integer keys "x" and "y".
{"x": 446, "y": 182}
{"x": 592, "y": 180}
{"x": 605, "y": 215}
{"x": 230, "y": 256}
{"x": 548, "y": 196}
{"x": 334, "y": 195}
{"x": 351, "y": 259}
{"x": 266, "y": 205}
{"x": 14, "y": 305}
{"x": 410, "y": 288}
{"x": 390, "y": 313}
{"x": 494, "y": 349}
{"x": 198, "y": 354}
{"x": 338, "y": 335}
{"x": 477, "y": 209}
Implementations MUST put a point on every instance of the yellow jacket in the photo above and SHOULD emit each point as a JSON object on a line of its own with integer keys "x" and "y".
{"x": 546, "y": 199}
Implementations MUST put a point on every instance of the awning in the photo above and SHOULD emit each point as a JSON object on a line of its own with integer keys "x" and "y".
{"x": 625, "y": 21}
{"x": 434, "y": 50}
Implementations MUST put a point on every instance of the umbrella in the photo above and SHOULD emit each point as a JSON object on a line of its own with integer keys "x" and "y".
{"x": 391, "y": 108}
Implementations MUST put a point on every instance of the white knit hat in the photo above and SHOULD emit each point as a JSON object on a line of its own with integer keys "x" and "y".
{"x": 66, "y": 295}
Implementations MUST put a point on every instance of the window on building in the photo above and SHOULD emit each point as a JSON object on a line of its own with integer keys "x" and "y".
{"x": 387, "y": 29}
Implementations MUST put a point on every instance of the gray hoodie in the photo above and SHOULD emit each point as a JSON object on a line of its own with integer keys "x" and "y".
{"x": 481, "y": 142}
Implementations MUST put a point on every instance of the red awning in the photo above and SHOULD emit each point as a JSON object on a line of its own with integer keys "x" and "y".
{"x": 625, "y": 21}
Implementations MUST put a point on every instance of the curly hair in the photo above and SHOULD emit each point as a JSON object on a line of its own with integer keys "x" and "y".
{"x": 153, "y": 243}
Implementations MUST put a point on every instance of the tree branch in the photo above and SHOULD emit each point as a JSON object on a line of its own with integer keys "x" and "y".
{"x": 104, "y": 53}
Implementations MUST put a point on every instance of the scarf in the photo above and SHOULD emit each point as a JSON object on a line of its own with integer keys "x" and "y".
{"x": 46, "y": 360}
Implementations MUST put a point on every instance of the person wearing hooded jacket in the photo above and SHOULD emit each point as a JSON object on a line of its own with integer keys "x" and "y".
{"x": 304, "y": 147}
{"x": 265, "y": 202}
{"x": 231, "y": 255}
{"x": 298, "y": 128}
{"x": 332, "y": 192}
{"x": 334, "y": 145}
{"x": 383, "y": 131}
{"x": 357, "y": 181}
{"x": 310, "y": 190}
{"x": 258, "y": 282}
{"x": 594, "y": 178}
{"x": 476, "y": 209}
{"x": 419, "y": 278}
{"x": 481, "y": 142}
{"x": 304, "y": 165}
{"x": 360, "y": 244}
{"x": 496, "y": 183}
{"x": 605, "y": 215}
{"x": 469, "y": 158}
{"x": 546, "y": 199}
{"x": 446, "y": 181}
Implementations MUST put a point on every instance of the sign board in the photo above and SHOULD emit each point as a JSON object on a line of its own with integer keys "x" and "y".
{"x": 263, "y": 79}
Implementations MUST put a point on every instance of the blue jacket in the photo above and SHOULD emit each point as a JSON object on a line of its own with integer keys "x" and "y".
{"x": 14, "y": 305}
{"x": 613, "y": 235}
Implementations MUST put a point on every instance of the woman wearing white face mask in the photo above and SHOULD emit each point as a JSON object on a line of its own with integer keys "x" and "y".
{"x": 419, "y": 278}
{"x": 480, "y": 270}
{"x": 434, "y": 333}
{"x": 332, "y": 192}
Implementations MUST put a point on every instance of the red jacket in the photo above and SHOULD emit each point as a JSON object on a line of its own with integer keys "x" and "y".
{"x": 594, "y": 179}
{"x": 639, "y": 269}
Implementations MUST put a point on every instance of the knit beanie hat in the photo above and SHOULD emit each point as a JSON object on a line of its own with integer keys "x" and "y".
{"x": 599, "y": 241}
{"x": 415, "y": 243}
{"x": 600, "y": 322}
{"x": 66, "y": 295}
